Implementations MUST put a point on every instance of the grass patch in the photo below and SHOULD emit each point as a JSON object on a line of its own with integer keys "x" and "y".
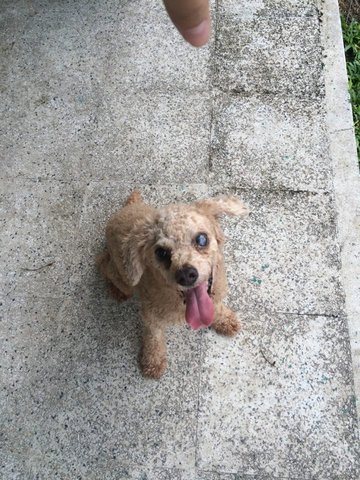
{"x": 351, "y": 35}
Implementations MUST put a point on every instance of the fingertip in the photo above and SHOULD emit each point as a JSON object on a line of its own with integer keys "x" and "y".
{"x": 197, "y": 36}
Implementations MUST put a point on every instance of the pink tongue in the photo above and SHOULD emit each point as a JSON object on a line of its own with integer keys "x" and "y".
{"x": 199, "y": 307}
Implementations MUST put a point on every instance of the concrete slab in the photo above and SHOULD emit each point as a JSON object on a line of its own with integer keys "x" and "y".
{"x": 79, "y": 136}
{"x": 269, "y": 55}
{"x": 74, "y": 403}
{"x": 120, "y": 36}
{"x": 270, "y": 143}
{"x": 284, "y": 257}
{"x": 235, "y": 476}
{"x": 43, "y": 118}
{"x": 346, "y": 178}
{"x": 38, "y": 236}
{"x": 103, "y": 42}
{"x": 269, "y": 8}
{"x": 148, "y": 137}
{"x": 268, "y": 399}
{"x": 68, "y": 73}
{"x": 99, "y": 97}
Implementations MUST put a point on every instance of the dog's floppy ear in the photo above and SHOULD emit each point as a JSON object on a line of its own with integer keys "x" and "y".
{"x": 215, "y": 207}
{"x": 126, "y": 243}
{"x": 218, "y": 206}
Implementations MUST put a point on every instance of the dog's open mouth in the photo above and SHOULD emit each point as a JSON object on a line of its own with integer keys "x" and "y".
{"x": 199, "y": 311}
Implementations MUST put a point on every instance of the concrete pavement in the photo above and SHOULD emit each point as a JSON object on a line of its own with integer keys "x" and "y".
{"x": 100, "y": 97}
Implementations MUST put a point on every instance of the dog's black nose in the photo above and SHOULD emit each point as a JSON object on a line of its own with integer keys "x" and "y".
{"x": 186, "y": 276}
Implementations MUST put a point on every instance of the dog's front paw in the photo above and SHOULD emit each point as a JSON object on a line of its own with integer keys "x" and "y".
{"x": 153, "y": 358}
{"x": 226, "y": 322}
{"x": 152, "y": 367}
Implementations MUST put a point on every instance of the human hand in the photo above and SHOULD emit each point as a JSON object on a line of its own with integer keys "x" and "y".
{"x": 191, "y": 18}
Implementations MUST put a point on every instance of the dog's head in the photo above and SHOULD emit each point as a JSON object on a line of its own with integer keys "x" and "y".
{"x": 181, "y": 245}
{"x": 187, "y": 241}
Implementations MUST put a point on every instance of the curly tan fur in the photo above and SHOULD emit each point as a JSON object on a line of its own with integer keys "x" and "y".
{"x": 129, "y": 263}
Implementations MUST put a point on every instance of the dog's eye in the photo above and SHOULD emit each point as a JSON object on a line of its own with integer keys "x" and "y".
{"x": 202, "y": 240}
{"x": 163, "y": 254}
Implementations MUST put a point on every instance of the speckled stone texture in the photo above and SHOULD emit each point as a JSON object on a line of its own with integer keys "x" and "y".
{"x": 258, "y": 143}
{"x": 278, "y": 372}
{"x": 268, "y": 54}
{"x": 284, "y": 258}
{"x": 99, "y": 97}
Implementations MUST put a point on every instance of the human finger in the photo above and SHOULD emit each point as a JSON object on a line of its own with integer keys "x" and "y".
{"x": 191, "y": 18}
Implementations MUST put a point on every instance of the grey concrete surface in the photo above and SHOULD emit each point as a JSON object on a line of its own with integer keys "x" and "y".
{"x": 100, "y": 97}
{"x": 257, "y": 143}
{"x": 269, "y": 55}
{"x": 346, "y": 180}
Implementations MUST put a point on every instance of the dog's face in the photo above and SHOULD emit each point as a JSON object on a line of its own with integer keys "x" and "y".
{"x": 185, "y": 247}
{"x": 181, "y": 243}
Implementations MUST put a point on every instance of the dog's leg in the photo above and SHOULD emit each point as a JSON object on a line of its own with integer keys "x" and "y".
{"x": 153, "y": 361}
{"x": 225, "y": 322}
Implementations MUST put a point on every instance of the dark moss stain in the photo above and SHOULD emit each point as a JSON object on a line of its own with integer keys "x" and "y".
{"x": 42, "y": 100}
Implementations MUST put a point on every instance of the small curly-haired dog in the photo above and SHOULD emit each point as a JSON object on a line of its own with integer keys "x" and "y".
{"x": 173, "y": 258}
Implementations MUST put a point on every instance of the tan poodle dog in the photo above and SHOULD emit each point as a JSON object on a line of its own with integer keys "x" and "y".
{"x": 173, "y": 258}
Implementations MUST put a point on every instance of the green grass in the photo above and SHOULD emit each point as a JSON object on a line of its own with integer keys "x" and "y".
{"x": 351, "y": 35}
